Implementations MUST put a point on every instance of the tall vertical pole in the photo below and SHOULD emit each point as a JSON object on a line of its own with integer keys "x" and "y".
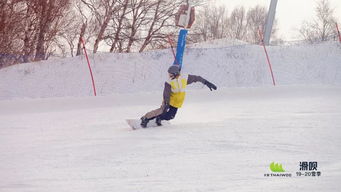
{"x": 182, "y": 39}
{"x": 269, "y": 21}
{"x": 180, "y": 48}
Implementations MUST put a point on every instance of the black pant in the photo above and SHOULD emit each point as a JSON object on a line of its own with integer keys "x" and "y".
{"x": 169, "y": 114}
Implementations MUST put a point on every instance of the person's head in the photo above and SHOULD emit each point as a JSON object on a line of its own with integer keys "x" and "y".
{"x": 174, "y": 71}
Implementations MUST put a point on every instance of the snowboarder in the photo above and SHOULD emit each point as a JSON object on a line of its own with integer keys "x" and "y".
{"x": 173, "y": 95}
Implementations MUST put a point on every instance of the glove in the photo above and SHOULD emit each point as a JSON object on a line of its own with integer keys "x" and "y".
{"x": 210, "y": 85}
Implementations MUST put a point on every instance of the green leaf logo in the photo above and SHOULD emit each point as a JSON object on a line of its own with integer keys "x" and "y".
{"x": 275, "y": 167}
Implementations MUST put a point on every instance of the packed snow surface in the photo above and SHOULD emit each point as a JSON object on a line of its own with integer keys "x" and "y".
{"x": 219, "y": 141}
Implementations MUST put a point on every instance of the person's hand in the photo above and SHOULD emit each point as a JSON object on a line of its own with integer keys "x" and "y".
{"x": 210, "y": 85}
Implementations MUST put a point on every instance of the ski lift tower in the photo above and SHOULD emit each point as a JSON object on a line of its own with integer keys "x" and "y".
{"x": 269, "y": 21}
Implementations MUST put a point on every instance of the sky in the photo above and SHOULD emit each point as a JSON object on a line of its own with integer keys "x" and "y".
{"x": 289, "y": 14}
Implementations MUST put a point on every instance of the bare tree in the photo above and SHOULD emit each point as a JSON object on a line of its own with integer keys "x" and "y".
{"x": 83, "y": 28}
{"x": 32, "y": 30}
{"x": 322, "y": 25}
{"x": 49, "y": 13}
{"x": 215, "y": 23}
{"x": 12, "y": 14}
{"x": 160, "y": 20}
{"x": 103, "y": 10}
{"x": 29, "y": 28}
{"x": 237, "y": 27}
{"x": 30, "y": 33}
{"x": 133, "y": 24}
{"x": 255, "y": 20}
{"x": 117, "y": 26}
{"x": 70, "y": 32}
{"x": 211, "y": 23}
{"x": 137, "y": 19}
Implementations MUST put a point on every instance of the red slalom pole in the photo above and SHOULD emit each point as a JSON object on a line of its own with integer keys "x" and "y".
{"x": 171, "y": 44}
{"x": 338, "y": 31}
{"x": 267, "y": 57}
{"x": 87, "y": 58}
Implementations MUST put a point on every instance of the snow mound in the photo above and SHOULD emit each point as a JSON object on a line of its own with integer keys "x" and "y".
{"x": 232, "y": 66}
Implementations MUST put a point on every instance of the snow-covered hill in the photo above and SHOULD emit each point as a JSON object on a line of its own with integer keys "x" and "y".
{"x": 229, "y": 66}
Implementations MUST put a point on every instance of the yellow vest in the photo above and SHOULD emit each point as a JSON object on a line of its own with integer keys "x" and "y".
{"x": 178, "y": 93}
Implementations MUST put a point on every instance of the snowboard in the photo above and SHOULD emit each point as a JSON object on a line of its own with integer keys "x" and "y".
{"x": 135, "y": 123}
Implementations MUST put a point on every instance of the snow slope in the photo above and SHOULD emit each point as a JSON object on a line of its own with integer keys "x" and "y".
{"x": 220, "y": 141}
{"x": 230, "y": 66}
